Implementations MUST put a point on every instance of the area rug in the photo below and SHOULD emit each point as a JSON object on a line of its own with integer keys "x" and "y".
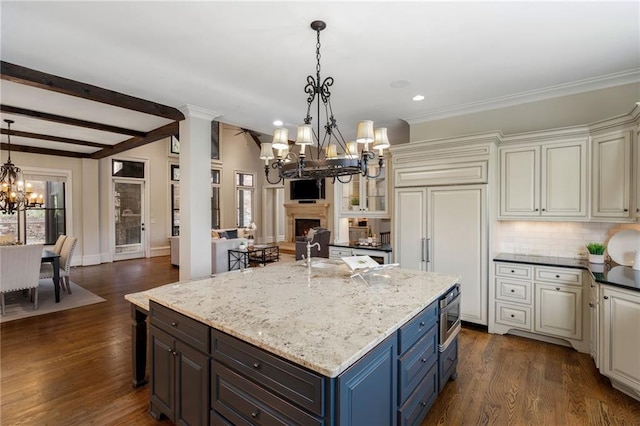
{"x": 19, "y": 306}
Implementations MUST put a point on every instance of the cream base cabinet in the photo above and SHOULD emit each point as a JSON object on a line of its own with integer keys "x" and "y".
{"x": 558, "y": 311}
{"x": 621, "y": 339}
{"x": 444, "y": 229}
{"x": 611, "y": 176}
{"x": 544, "y": 181}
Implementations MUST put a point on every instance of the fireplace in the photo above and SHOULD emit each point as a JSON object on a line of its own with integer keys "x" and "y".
{"x": 316, "y": 211}
{"x": 303, "y": 225}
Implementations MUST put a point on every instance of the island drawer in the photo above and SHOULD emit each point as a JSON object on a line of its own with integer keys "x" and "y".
{"x": 448, "y": 363}
{"x": 513, "y": 315}
{"x": 339, "y": 252}
{"x": 414, "y": 365}
{"x": 415, "y": 408}
{"x": 513, "y": 290}
{"x": 514, "y": 270}
{"x": 559, "y": 275}
{"x": 294, "y": 383}
{"x": 240, "y": 401}
{"x": 181, "y": 326}
{"x": 417, "y": 327}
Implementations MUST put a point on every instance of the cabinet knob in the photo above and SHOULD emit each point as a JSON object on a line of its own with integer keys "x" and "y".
{"x": 256, "y": 365}
{"x": 591, "y": 305}
{"x": 174, "y": 324}
{"x": 513, "y": 272}
{"x": 423, "y": 360}
{"x": 537, "y": 210}
{"x": 513, "y": 291}
{"x": 255, "y": 413}
{"x": 558, "y": 288}
{"x": 513, "y": 316}
{"x": 424, "y": 404}
{"x": 557, "y": 276}
{"x": 606, "y": 297}
{"x": 626, "y": 210}
{"x": 421, "y": 323}
{"x": 544, "y": 210}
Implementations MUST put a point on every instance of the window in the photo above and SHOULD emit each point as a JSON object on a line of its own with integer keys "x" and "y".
{"x": 215, "y": 199}
{"x": 39, "y": 224}
{"x": 244, "y": 199}
{"x": 175, "y": 199}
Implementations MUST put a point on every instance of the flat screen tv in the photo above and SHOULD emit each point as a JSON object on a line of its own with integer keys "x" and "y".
{"x": 307, "y": 189}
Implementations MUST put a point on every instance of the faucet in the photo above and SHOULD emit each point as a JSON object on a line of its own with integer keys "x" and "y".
{"x": 309, "y": 246}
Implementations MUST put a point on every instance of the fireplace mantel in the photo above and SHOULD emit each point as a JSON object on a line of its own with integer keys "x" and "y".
{"x": 305, "y": 211}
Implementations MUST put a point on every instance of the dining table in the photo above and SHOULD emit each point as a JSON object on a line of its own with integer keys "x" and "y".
{"x": 49, "y": 256}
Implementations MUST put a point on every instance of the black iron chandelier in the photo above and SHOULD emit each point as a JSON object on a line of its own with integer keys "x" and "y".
{"x": 14, "y": 193}
{"x": 322, "y": 159}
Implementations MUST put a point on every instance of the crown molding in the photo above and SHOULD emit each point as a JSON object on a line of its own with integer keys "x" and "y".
{"x": 580, "y": 86}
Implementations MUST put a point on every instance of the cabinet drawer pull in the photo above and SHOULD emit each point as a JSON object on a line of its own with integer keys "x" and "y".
{"x": 423, "y": 360}
{"x": 421, "y": 323}
{"x": 424, "y": 404}
{"x": 513, "y": 291}
{"x": 557, "y": 276}
{"x": 513, "y": 272}
{"x": 626, "y": 210}
{"x": 174, "y": 324}
{"x": 591, "y": 305}
{"x": 255, "y": 413}
{"x": 513, "y": 316}
{"x": 256, "y": 365}
{"x": 606, "y": 297}
{"x": 558, "y": 288}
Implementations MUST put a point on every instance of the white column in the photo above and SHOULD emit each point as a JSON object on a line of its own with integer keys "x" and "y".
{"x": 90, "y": 240}
{"x": 195, "y": 192}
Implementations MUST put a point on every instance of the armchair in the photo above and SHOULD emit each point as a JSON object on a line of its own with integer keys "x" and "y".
{"x": 321, "y": 236}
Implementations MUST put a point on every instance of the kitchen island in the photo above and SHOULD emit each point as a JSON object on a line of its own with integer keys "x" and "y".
{"x": 297, "y": 345}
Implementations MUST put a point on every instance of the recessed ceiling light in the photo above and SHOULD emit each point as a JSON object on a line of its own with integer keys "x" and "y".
{"x": 278, "y": 123}
{"x": 398, "y": 84}
{"x": 418, "y": 98}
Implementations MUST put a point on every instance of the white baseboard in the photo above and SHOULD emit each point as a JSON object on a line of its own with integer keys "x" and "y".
{"x": 160, "y": 251}
{"x": 94, "y": 259}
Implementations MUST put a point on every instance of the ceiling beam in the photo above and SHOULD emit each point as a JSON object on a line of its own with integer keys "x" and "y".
{"x": 20, "y": 134}
{"x": 255, "y": 138}
{"x": 45, "y": 151}
{"x": 154, "y": 135}
{"x": 70, "y": 121}
{"x": 42, "y": 80}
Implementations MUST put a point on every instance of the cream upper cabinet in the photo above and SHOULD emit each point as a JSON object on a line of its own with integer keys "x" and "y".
{"x": 621, "y": 339}
{"x": 611, "y": 176}
{"x": 636, "y": 170}
{"x": 364, "y": 197}
{"x": 545, "y": 180}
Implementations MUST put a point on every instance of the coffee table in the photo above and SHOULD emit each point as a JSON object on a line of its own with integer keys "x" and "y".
{"x": 253, "y": 256}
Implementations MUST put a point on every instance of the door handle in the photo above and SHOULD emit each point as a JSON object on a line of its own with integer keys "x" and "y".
{"x": 427, "y": 249}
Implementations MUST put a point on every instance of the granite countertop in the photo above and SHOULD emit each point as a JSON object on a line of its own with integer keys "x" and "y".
{"x": 383, "y": 247}
{"x": 317, "y": 317}
{"x": 608, "y": 273}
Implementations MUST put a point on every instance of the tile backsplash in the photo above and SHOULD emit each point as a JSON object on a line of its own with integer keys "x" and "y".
{"x": 562, "y": 239}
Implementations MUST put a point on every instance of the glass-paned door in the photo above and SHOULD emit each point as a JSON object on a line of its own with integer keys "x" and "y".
{"x": 128, "y": 206}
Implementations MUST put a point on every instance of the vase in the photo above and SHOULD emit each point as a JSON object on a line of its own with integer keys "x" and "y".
{"x": 596, "y": 258}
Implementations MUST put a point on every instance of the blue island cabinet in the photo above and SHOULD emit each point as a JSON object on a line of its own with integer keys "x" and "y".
{"x": 394, "y": 383}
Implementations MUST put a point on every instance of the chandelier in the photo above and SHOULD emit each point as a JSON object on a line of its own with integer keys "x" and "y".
{"x": 14, "y": 194}
{"x": 321, "y": 159}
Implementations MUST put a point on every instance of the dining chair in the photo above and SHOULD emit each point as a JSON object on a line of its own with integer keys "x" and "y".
{"x": 57, "y": 248}
{"x": 66, "y": 253}
{"x": 19, "y": 266}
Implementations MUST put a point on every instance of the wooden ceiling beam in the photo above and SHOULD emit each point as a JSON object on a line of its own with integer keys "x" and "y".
{"x": 70, "y": 121}
{"x": 39, "y": 136}
{"x": 154, "y": 135}
{"x": 42, "y": 80}
{"x": 45, "y": 151}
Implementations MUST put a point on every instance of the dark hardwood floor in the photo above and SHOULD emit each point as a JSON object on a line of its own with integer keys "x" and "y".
{"x": 74, "y": 368}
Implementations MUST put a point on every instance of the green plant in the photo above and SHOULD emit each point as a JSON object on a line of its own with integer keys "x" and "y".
{"x": 355, "y": 201}
{"x": 596, "y": 248}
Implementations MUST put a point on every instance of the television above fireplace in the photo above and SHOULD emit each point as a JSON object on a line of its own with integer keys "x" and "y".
{"x": 311, "y": 189}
